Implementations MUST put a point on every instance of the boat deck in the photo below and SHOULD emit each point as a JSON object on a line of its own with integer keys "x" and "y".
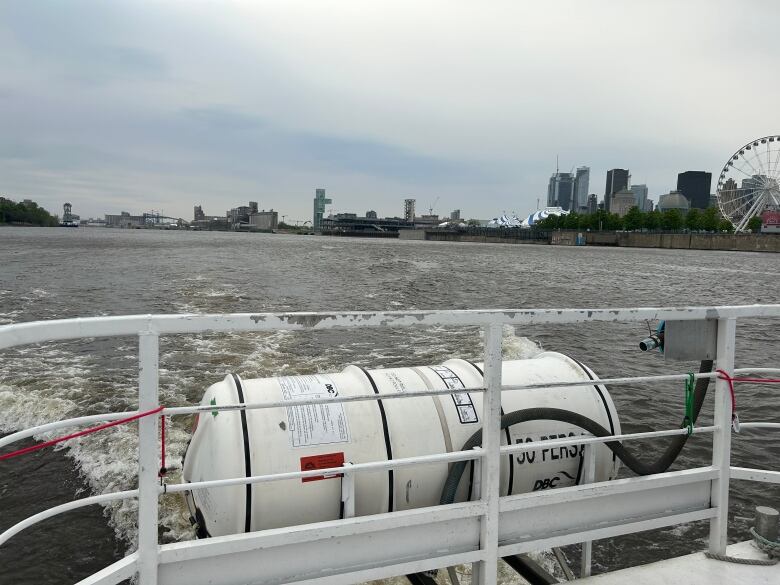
{"x": 696, "y": 569}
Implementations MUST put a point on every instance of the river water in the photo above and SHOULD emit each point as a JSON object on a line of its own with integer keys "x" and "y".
{"x": 52, "y": 273}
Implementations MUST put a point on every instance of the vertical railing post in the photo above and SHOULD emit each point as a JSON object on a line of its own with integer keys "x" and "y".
{"x": 588, "y": 476}
{"x": 148, "y": 490}
{"x": 721, "y": 438}
{"x": 348, "y": 493}
{"x": 490, "y": 468}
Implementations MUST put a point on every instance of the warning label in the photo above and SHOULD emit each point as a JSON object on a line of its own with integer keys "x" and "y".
{"x": 324, "y": 461}
{"x": 467, "y": 414}
{"x": 314, "y": 424}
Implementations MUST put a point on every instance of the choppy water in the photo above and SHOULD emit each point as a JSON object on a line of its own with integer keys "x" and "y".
{"x": 57, "y": 273}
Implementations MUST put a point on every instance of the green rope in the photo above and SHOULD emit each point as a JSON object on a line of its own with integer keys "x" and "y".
{"x": 689, "y": 386}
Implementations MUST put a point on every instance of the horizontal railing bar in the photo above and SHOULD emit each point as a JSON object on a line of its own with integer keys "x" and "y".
{"x": 178, "y": 410}
{"x": 756, "y": 371}
{"x": 356, "y": 467}
{"x": 758, "y": 425}
{"x": 421, "y": 460}
{"x": 66, "y": 507}
{"x": 60, "y": 424}
{"x": 751, "y": 474}
{"x": 115, "y": 326}
{"x": 184, "y": 410}
{"x": 586, "y": 440}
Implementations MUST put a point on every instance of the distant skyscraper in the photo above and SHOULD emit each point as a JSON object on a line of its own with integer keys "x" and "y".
{"x": 695, "y": 185}
{"x": 640, "y": 192}
{"x": 581, "y": 185}
{"x": 455, "y": 214}
{"x": 593, "y": 203}
{"x": 649, "y": 205}
{"x": 560, "y": 191}
{"x": 409, "y": 209}
{"x": 617, "y": 179}
{"x": 370, "y": 214}
{"x": 320, "y": 201}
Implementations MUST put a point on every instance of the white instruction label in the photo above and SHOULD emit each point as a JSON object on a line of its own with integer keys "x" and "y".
{"x": 314, "y": 424}
{"x": 467, "y": 414}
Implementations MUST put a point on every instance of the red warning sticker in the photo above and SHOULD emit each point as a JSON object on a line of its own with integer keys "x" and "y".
{"x": 323, "y": 461}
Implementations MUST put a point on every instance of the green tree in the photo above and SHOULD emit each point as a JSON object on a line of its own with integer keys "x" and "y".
{"x": 633, "y": 220}
{"x": 571, "y": 221}
{"x": 725, "y": 226}
{"x": 754, "y": 224}
{"x": 671, "y": 219}
{"x": 693, "y": 220}
{"x": 652, "y": 220}
{"x": 25, "y": 213}
{"x": 710, "y": 219}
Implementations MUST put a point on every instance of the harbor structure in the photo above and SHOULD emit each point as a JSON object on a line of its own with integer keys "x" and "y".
{"x": 69, "y": 219}
{"x": 264, "y": 220}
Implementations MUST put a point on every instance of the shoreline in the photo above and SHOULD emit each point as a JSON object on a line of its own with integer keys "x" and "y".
{"x": 678, "y": 241}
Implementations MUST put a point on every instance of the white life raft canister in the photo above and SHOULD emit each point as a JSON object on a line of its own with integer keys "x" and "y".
{"x": 229, "y": 444}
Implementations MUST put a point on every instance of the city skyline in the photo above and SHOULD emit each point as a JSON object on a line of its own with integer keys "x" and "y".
{"x": 127, "y": 107}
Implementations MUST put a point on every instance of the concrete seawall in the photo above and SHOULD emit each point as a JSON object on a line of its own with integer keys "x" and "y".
{"x": 723, "y": 242}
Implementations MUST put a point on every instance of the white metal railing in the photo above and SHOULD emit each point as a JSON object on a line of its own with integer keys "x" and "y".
{"x": 479, "y": 543}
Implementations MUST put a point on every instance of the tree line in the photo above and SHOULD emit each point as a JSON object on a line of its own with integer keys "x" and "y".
{"x": 709, "y": 220}
{"x": 25, "y": 213}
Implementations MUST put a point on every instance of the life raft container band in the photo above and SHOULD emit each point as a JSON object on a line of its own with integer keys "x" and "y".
{"x": 388, "y": 444}
{"x": 604, "y": 400}
{"x": 508, "y": 438}
{"x": 247, "y": 458}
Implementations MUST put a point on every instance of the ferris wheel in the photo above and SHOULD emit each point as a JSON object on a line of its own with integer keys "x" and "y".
{"x": 750, "y": 182}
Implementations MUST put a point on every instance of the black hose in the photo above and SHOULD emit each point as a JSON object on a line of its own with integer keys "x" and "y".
{"x": 663, "y": 463}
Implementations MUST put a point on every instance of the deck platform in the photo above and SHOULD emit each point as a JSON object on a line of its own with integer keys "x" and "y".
{"x": 696, "y": 569}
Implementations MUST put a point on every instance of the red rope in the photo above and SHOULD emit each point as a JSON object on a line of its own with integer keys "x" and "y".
{"x": 724, "y": 376}
{"x": 731, "y": 381}
{"x": 89, "y": 431}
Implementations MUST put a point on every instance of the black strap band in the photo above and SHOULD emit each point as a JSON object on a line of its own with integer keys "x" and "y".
{"x": 247, "y": 459}
{"x": 388, "y": 445}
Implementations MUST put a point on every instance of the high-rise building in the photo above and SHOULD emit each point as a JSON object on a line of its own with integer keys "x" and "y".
{"x": 581, "y": 185}
{"x": 371, "y": 214}
{"x": 253, "y": 206}
{"x": 622, "y": 202}
{"x": 320, "y": 201}
{"x": 455, "y": 215}
{"x": 649, "y": 205}
{"x": 617, "y": 179}
{"x": 560, "y": 191}
{"x": 199, "y": 215}
{"x": 593, "y": 203}
{"x": 695, "y": 185}
{"x": 640, "y": 192}
{"x": 409, "y": 209}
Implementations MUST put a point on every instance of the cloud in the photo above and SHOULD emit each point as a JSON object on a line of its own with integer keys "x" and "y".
{"x": 176, "y": 103}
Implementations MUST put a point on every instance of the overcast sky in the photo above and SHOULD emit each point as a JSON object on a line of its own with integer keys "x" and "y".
{"x": 163, "y": 105}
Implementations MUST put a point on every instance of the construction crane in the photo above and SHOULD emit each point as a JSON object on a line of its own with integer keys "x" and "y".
{"x": 430, "y": 209}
